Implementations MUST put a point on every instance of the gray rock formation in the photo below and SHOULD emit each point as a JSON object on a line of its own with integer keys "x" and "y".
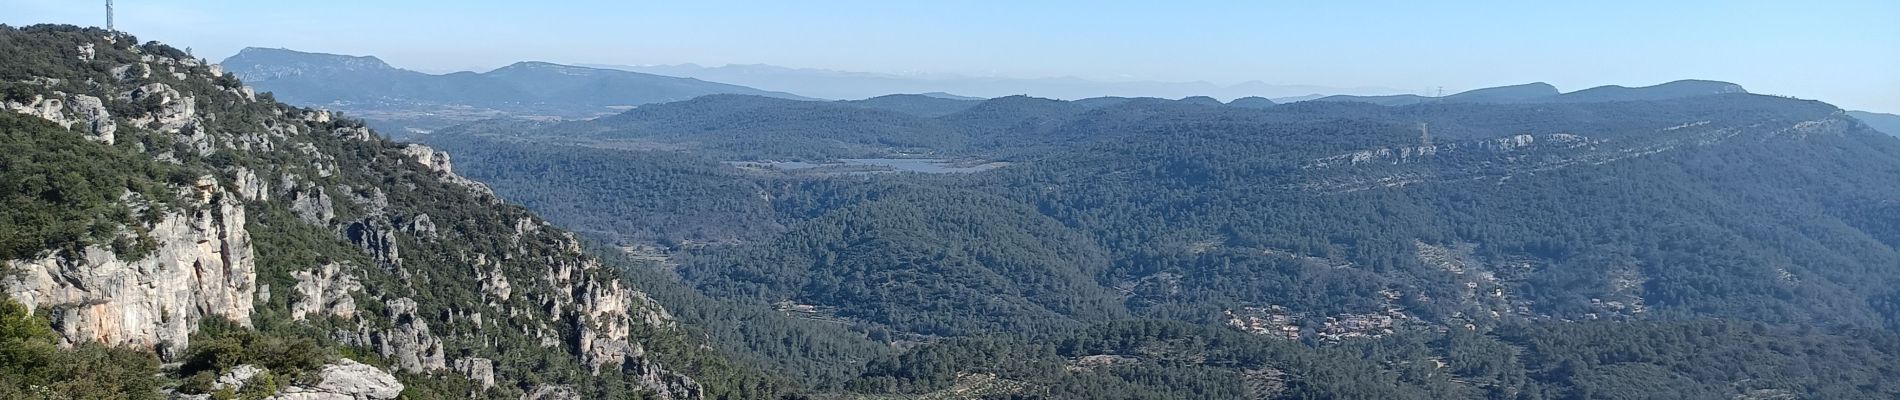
{"x": 410, "y": 346}
{"x": 324, "y": 291}
{"x": 376, "y": 236}
{"x": 71, "y": 111}
{"x": 310, "y": 203}
{"x": 175, "y": 110}
{"x": 422, "y": 225}
{"x": 495, "y": 284}
{"x": 248, "y": 185}
{"x": 440, "y": 163}
{"x": 130, "y": 72}
{"x": 201, "y": 268}
{"x": 480, "y": 370}
{"x": 346, "y": 380}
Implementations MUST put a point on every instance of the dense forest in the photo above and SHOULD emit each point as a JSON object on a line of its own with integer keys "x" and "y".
{"x": 1682, "y": 246}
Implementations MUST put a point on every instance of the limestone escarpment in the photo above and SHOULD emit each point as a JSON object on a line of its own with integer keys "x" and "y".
{"x": 346, "y": 380}
{"x": 324, "y": 291}
{"x": 73, "y": 111}
{"x": 202, "y": 267}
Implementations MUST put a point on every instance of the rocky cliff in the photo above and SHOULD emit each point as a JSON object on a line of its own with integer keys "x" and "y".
{"x": 202, "y": 268}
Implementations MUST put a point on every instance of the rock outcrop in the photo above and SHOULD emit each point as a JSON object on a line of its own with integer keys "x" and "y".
{"x": 346, "y": 380}
{"x": 71, "y": 111}
{"x": 377, "y": 237}
{"x": 480, "y": 370}
{"x": 201, "y": 268}
{"x": 312, "y": 203}
{"x": 410, "y": 346}
{"x": 440, "y": 163}
{"x": 324, "y": 291}
{"x": 174, "y": 110}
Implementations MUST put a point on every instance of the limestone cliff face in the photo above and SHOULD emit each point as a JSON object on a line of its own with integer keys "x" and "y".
{"x": 202, "y": 268}
{"x": 73, "y": 111}
{"x": 324, "y": 291}
{"x": 346, "y": 380}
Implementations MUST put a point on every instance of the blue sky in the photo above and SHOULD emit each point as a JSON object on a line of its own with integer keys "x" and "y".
{"x": 1844, "y": 52}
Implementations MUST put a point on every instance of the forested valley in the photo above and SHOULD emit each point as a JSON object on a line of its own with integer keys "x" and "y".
{"x": 1150, "y": 248}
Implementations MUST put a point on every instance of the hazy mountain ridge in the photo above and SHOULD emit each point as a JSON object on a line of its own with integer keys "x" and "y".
{"x": 922, "y": 105}
{"x": 1540, "y": 92}
{"x": 915, "y": 125}
{"x": 831, "y": 84}
{"x": 1885, "y": 123}
{"x": 741, "y": 127}
{"x": 402, "y": 99}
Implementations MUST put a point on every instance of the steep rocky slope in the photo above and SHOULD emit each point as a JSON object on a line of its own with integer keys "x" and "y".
{"x": 295, "y": 223}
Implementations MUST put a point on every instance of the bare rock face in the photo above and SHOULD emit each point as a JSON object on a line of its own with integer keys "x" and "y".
{"x": 477, "y": 369}
{"x": 317, "y": 116}
{"x": 249, "y": 185}
{"x": 45, "y": 108}
{"x": 422, "y": 225}
{"x": 606, "y": 323}
{"x": 325, "y": 291}
{"x": 665, "y": 384}
{"x": 311, "y": 204}
{"x": 175, "y": 110}
{"x": 133, "y": 71}
{"x": 429, "y": 158}
{"x": 71, "y": 111}
{"x": 410, "y": 346}
{"x": 495, "y": 284}
{"x": 91, "y": 113}
{"x": 202, "y": 268}
{"x": 376, "y": 236}
{"x": 346, "y": 380}
{"x": 440, "y": 163}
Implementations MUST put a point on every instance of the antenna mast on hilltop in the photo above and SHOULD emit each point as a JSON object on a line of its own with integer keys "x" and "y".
{"x": 109, "y": 17}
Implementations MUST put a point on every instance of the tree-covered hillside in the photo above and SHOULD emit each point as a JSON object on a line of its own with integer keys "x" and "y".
{"x": 1704, "y": 245}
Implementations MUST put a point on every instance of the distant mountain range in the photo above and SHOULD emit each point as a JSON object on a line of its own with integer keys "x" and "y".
{"x": 1540, "y": 92}
{"x": 403, "y": 100}
{"x": 832, "y": 84}
{"x": 1549, "y": 243}
{"x": 762, "y": 128}
{"x": 1885, "y": 123}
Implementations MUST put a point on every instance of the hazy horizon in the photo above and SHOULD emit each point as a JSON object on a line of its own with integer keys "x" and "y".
{"x": 1840, "y": 52}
